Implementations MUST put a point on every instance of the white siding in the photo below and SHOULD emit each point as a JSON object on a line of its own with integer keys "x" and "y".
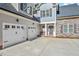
{"x": 10, "y": 18}
{"x": 46, "y": 7}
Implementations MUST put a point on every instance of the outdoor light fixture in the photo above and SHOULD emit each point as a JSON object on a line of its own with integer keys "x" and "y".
{"x": 17, "y": 20}
{"x": 57, "y": 9}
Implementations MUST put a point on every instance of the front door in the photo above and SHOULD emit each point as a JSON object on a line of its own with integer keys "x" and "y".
{"x": 50, "y": 30}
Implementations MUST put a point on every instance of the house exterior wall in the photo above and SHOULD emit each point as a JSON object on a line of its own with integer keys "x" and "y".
{"x": 72, "y": 21}
{"x": 48, "y": 19}
{"x": 6, "y": 17}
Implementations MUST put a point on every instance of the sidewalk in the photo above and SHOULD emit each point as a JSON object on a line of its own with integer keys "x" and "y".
{"x": 44, "y": 46}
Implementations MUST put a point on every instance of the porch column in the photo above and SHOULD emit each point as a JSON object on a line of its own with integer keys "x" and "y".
{"x": 45, "y": 29}
{"x": 54, "y": 32}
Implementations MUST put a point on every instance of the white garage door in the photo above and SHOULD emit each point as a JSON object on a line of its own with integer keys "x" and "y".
{"x": 31, "y": 32}
{"x": 13, "y": 33}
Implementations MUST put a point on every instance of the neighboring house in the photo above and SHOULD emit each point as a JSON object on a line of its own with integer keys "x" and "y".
{"x": 67, "y": 24}
{"x": 17, "y": 23}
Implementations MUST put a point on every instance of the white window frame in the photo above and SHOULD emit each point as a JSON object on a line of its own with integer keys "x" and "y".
{"x": 73, "y": 28}
{"x": 50, "y": 12}
{"x": 47, "y": 13}
{"x": 68, "y": 28}
{"x": 41, "y": 13}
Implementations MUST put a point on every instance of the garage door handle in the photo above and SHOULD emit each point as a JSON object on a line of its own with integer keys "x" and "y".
{"x": 5, "y": 41}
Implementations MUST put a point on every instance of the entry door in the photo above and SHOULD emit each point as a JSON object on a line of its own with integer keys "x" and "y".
{"x": 50, "y": 30}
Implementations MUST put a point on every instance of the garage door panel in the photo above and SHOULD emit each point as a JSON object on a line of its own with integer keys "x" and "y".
{"x": 13, "y": 34}
{"x": 31, "y": 32}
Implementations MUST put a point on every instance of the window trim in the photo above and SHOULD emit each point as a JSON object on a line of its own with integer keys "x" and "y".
{"x": 72, "y": 28}
{"x": 47, "y": 13}
{"x": 68, "y": 28}
{"x": 7, "y": 26}
{"x": 18, "y": 27}
{"x": 13, "y": 26}
{"x": 50, "y": 12}
{"x": 64, "y": 27}
{"x": 41, "y": 13}
{"x": 19, "y": 9}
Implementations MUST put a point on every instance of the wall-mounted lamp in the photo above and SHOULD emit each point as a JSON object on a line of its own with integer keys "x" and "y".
{"x": 17, "y": 20}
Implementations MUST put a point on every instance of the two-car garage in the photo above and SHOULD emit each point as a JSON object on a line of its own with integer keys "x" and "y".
{"x": 13, "y": 31}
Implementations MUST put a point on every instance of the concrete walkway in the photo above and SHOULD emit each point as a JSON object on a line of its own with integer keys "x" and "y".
{"x": 44, "y": 46}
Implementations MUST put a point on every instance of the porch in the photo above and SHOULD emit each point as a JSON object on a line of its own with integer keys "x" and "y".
{"x": 48, "y": 29}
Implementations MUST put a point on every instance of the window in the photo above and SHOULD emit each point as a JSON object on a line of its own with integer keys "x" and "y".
{"x": 7, "y": 26}
{"x": 50, "y": 12}
{"x": 47, "y": 12}
{"x": 43, "y": 13}
{"x": 30, "y": 10}
{"x": 23, "y": 7}
{"x": 13, "y": 26}
{"x": 75, "y": 27}
{"x": 18, "y": 26}
{"x": 65, "y": 29}
{"x": 70, "y": 28}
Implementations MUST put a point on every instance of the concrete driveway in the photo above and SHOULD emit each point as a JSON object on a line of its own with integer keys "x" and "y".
{"x": 44, "y": 46}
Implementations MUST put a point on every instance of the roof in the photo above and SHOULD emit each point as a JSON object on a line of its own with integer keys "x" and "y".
{"x": 8, "y": 7}
{"x": 69, "y": 10}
